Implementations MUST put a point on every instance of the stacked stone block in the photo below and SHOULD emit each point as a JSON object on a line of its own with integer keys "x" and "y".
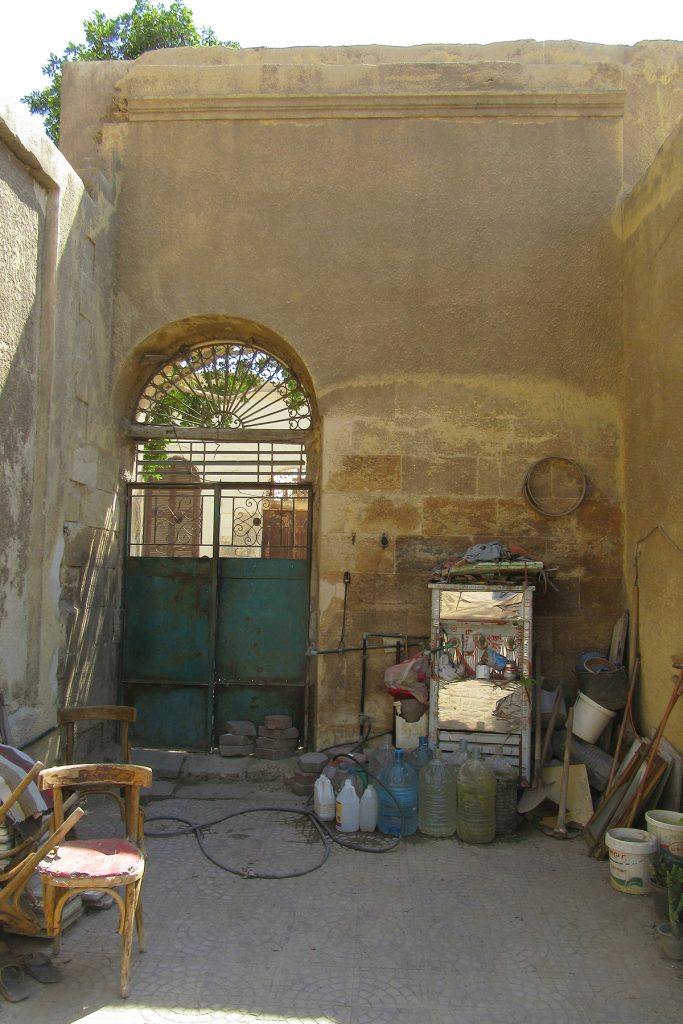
{"x": 237, "y": 740}
{"x": 277, "y": 738}
{"x": 308, "y": 768}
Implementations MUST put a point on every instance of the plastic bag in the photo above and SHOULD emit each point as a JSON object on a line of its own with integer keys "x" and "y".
{"x": 409, "y": 678}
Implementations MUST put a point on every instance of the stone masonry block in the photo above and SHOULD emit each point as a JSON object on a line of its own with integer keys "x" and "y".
{"x": 366, "y": 473}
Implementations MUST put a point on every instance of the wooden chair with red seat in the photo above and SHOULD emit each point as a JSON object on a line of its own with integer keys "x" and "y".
{"x": 106, "y": 865}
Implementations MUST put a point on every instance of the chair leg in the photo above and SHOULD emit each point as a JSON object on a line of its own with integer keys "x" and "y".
{"x": 140, "y": 924}
{"x": 130, "y": 899}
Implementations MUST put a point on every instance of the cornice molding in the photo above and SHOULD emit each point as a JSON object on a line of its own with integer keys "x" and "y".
{"x": 501, "y": 104}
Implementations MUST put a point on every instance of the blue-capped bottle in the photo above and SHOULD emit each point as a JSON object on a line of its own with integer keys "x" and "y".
{"x": 397, "y": 798}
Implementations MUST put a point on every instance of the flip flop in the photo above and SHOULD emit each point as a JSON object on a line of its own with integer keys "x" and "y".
{"x": 13, "y": 981}
{"x": 40, "y": 967}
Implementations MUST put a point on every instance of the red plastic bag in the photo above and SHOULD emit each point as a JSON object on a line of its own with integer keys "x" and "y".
{"x": 409, "y": 678}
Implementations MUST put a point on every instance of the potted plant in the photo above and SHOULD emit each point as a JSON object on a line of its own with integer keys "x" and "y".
{"x": 658, "y": 887}
{"x": 671, "y": 932}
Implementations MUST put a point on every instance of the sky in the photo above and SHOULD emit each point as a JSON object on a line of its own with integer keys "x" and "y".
{"x": 31, "y": 29}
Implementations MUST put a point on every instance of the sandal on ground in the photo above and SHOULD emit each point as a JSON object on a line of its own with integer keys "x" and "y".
{"x": 13, "y": 984}
{"x": 40, "y": 967}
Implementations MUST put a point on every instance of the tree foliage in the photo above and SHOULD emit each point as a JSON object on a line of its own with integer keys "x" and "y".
{"x": 148, "y": 26}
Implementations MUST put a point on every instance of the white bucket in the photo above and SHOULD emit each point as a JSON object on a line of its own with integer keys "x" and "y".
{"x": 668, "y": 827}
{"x": 630, "y": 856}
{"x": 590, "y": 718}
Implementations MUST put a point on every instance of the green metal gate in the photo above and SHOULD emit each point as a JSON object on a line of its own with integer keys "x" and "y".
{"x": 216, "y": 606}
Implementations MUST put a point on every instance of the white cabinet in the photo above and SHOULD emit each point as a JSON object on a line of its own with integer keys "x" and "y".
{"x": 474, "y": 624}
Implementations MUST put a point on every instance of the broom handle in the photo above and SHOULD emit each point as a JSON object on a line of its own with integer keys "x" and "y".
{"x": 622, "y": 727}
{"x": 654, "y": 746}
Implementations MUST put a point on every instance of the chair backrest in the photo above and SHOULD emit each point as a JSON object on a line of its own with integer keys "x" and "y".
{"x": 67, "y": 719}
{"x": 130, "y": 778}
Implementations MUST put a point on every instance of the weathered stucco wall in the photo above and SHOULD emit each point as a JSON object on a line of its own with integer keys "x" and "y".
{"x": 653, "y": 439}
{"x": 59, "y": 562}
{"x": 431, "y": 230}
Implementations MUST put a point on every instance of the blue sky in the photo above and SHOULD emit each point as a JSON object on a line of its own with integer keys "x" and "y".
{"x": 30, "y": 29}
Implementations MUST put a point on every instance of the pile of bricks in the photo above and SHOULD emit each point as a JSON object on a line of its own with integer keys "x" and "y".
{"x": 308, "y": 768}
{"x": 237, "y": 740}
{"x": 277, "y": 738}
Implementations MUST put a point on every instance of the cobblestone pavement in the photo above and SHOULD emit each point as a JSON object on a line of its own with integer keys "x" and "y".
{"x": 524, "y": 931}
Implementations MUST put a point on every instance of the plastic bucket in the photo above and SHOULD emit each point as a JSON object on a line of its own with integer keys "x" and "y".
{"x": 668, "y": 827}
{"x": 630, "y": 856}
{"x": 590, "y": 718}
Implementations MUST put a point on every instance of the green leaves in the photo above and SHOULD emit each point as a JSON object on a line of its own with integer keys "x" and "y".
{"x": 148, "y": 26}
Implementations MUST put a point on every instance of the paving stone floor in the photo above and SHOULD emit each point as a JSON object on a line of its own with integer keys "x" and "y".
{"x": 524, "y": 931}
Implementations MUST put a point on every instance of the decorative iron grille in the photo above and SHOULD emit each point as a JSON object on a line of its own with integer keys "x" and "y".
{"x": 215, "y": 461}
{"x": 225, "y": 384}
{"x": 168, "y": 521}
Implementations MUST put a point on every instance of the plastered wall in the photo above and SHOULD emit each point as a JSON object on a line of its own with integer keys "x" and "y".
{"x": 652, "y": 219}
{"x": 59, "y": 562}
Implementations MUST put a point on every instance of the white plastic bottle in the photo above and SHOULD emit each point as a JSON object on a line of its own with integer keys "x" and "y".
{"x": 348, "y": 808}
{"x": 369, "y": 808}
{"x": 323, "y": 798}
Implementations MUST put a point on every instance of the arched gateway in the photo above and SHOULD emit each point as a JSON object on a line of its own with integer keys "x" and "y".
{"x": 218, "y": 545}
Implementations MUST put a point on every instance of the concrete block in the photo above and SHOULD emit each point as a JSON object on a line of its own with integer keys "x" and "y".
{"x": 277, "y": 722}
{"x": 243, "y": 750}
{"x": 271, "y": 755}
{"x": 312, "y": 762}
{"x": 279, "y": 734}
{"x": 267, "y": 744}
{"x": 241, "y": 728}
{"x": 231, "y": 739}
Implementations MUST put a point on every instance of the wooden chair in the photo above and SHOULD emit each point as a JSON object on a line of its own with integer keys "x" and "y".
{"x": 99, "y": 864}
{"x": 17, "y": 913}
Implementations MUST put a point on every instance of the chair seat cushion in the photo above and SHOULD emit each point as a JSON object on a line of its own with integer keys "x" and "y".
{"x": 93, "y": 858}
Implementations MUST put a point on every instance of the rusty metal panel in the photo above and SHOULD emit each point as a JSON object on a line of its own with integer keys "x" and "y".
{"x": 171, "y": 715}
{"x": 262, "y": 619}
{"x": 167, "y": 619}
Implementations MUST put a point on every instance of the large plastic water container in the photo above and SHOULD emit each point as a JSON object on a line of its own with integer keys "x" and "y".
{"x": 421, "y": 755}
{"x": 476, "y": 801}
{"x": 380, "y": 758}
{"x": 437, "y": 796}
{"x": 506, "y": 793}
{"x": 459, "y": 756}
{"x": 398, "y": 798}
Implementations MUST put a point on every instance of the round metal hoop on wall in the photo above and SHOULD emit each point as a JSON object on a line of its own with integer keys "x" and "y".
{"x": 554, "y": 486}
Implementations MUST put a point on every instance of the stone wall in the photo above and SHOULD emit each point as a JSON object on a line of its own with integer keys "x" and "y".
{"x": 652, "y": 224}
{"x": 59, "y": 560}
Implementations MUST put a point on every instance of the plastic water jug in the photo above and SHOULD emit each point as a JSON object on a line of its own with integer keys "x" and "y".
{"x": 398, "y": 798}
{"x": 476, "y": 801}
{"x": 506, "y": 794}
{"x": 323, "y": 798}
{"x": 347, "y": 808}
{"x": 459, "y": 756}
{"x": 369, "y": 809}
{"x": 380, "y": 758}
{"x": 437, "y": 796}
{"x": 421, "y": 755}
